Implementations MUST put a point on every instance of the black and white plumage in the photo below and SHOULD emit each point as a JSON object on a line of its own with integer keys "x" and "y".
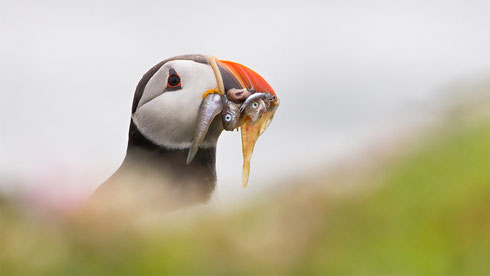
{"x": 164, "y": 115}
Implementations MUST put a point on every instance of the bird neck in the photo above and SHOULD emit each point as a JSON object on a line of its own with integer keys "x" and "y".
{"x": 195, "y": 181}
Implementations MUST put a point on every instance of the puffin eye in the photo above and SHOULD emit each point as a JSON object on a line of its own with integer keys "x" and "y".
{"x": 227, "y": 117}
{"x": 255, "y": 104}
{"x": 173, "y": 80}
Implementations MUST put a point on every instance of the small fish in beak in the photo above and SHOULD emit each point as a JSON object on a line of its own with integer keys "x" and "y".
{"x": 251, "y": 130}
{"x": 256, "y": 105}
{"x": 255, "y": 109}
{"x": 238, "y": 95}
{"x": 230, "y": 115}
{"x": 210, "y": 107}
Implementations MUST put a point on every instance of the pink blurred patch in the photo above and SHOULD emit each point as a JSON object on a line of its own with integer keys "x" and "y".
{"x": 60, "y": 189}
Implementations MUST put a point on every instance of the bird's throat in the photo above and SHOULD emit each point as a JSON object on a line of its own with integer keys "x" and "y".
{"x": 149, "y": 165}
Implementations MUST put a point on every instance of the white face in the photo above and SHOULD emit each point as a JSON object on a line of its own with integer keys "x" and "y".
{"x": 168, "y": 117}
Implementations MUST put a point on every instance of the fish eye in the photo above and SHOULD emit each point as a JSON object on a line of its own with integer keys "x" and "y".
{"x": 227, "y": 117}
{"x": 255, "y": 104}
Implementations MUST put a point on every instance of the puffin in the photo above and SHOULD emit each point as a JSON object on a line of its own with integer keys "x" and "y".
{"x": 176, "y": 120}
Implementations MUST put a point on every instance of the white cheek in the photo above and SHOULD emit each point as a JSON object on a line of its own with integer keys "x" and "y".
{"x": 169, "y": 119}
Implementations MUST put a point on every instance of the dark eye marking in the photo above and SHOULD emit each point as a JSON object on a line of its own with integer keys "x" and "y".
{"x": 173, "y": 80}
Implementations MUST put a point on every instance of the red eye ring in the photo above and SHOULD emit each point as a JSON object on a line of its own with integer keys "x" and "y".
{"x": 173, "y": 80}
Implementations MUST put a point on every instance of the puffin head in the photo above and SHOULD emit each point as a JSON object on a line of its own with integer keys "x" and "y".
{"x": 167, "y": 99}
{"x": 166, "y": 105}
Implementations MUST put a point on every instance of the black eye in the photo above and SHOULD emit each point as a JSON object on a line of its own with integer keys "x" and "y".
{"x": 173, "y": 80}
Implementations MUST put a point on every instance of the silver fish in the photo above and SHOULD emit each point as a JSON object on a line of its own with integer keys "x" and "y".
{"x": 255, "y": 109}
{"x": 237, "y": 95}
{"x": 211, "y": 106}
{"x": 256, "y": 105}
{"x": 230, "y": 115}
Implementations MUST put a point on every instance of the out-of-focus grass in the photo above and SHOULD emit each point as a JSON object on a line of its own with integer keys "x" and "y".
{"x": 425, "y": 212}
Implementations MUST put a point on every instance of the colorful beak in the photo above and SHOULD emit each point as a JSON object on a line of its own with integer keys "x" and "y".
{"x": 231, "y": 75}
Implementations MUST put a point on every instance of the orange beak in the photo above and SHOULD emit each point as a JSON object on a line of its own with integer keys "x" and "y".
{"x": 233, "y": 75}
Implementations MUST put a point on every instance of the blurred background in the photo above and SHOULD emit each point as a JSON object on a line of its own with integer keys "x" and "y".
{"x": 375, "y": 97}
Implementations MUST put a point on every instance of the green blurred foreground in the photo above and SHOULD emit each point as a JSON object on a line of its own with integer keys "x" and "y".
{"x": 424, "y": 212}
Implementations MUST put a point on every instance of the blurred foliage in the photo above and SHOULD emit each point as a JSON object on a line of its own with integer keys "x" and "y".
{"x": 424, "y": 212}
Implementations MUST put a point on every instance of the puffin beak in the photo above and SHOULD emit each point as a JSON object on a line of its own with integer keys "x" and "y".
{"x": 236, "y": 76}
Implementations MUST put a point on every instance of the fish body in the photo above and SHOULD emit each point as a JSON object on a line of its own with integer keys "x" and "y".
{"x": 210, "y": 107}
{"x": 230, "y": 115}
{"x": 238, "y": 95}
{"x": 255, "y": 109}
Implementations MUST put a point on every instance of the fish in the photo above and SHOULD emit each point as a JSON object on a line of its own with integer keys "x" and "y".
{"x": 255, "y": 109}
{"x": 253, "y": 117}
{"x": 270, "y": 99}
{"x": 255, "y": 105}
{"x": 260, "y": 108}
{"x": 250, "y": 132}
{"x": 210, "y": 107}
{"x": 230, "y": 115}
{"x": 238, "y": 95}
